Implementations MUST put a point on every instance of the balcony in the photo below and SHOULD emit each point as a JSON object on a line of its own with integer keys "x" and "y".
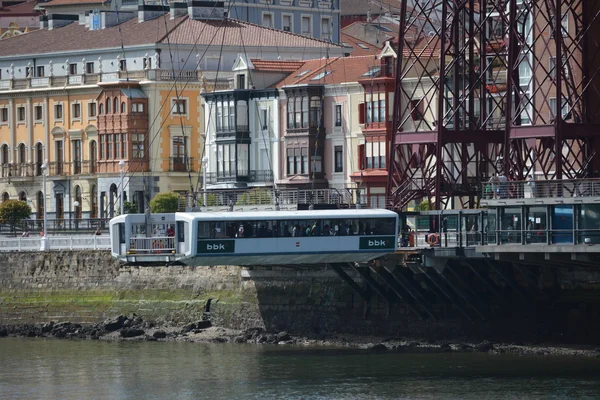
{"x": 239, "y": 132}
{"x": 21, "y": 170}
{"x": 181, "y": 164}
{"x": 254, "y": 176}
{"x": 90, "y": 79}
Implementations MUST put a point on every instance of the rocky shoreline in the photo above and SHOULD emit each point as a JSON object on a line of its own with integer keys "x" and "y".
{"x": 134, "y": 328}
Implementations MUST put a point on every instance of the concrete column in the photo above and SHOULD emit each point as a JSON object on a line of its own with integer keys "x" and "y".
{"x": 29, "y": 122}
{"x": 13, "y": 129}
{"x": 46, "y": 117}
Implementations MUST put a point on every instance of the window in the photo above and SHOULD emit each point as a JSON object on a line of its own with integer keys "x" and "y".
{"x": 306, "y": 25}
{"x": 179, "y": 107}
{"x": 286, "y": 22}
{"x": 117, "y": 139}
{"x": 264, "y": 119}
{"x": 320, "y": 76}
{"x": 93, "y": 156}
{"x": 138, "y": 142}
{"x": 325, "y": 29}
{"x": 179, "y": 153}
{"x": 38, "y": 113}
{"x": 76, "y": 147}
{"x": 115, "y": 105}
{"x": 375, "y": 154}
{"x": 101, "y": 109}
{"x": 338, "y": 115}
{"x": 109, "y": 147}
{"x": 564, "y": 67}
{"x": 123, "y": 108}
{"x": 108, "y": 105}
{"x": 147, "y": 63}
{"x": 315, "y": 112}
{"x": 564, "y": 22}
{"x": 58, "y": 111}
{"x": 39, "y": 71}
{"x": 21, "y": 114}
{"x": 137, "y": 107}
{"x": 297, "y": 112}
{"x": 60, "y": 206}
{"x": 373, "y": 72}
{"x": 375, "y": 111}
{"x": 75, "y": 110}
{"x": 22, "y": 153}
{"x": 226, "y": 166}
{"x": 59, "y": 156}
{"x": 91, "y": 110}
{"x": 94, "y": 201}
{"x": 339, "y": 158}
{"x": 123, "y": 65}
{"x": 241, "y": 81}
{"x": 267, "y": 20}
{"x": 73, "y": 69}
{"x": 552, "y": 67}
{"x": 564, "y": 108}
{"x": 416, "y": 107}
{"x": 297, "y": 161}
{"x": 4, "y": 115}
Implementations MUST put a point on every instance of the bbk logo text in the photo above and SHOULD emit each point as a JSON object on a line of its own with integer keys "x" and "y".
{"x": 216, "y": 246}
{"x": 378, "y": 243}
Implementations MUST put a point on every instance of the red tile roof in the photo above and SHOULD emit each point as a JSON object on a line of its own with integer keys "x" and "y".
{"x": 358, "y": 46}
{"x": 276, "y": 66}
{"x": 236, "y": 33}
{"x": 333, "y": 71}
{"x": 26, "y": 8}
{"x": 71, "y": 2}
{"x": 376, "y": 7}
{"x": 181, "y": 30}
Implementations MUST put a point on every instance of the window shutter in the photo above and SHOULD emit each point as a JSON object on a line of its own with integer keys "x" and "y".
{"x": 361, "y": 156}
{"x": 361, "y": 113}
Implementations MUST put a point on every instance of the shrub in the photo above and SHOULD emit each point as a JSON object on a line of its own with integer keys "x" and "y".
{"x": 14, "y": 211}
{"x": 165, "y": 203}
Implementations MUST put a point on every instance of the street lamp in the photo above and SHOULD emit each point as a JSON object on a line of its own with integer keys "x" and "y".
{"x": 204, "y": 171}
{"x": 76, "y": 207}
{"x": 45, "y": 245}
{"x": 122, "y": 170}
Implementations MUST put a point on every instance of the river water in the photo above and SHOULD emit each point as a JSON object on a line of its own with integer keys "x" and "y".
{"x": 65, "y": 369}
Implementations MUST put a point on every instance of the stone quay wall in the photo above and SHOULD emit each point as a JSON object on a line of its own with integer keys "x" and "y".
{"x": 90, "y": 286}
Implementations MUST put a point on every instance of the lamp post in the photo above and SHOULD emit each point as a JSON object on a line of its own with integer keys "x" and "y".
{"x": 45, "y": 245}
{"x": 76, "y": 207}
{"x": 204, "y": 171}
{"x": 122, "y": 170}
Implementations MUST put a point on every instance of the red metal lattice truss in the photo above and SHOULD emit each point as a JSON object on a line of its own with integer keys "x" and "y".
{"x": 477, "y": 83}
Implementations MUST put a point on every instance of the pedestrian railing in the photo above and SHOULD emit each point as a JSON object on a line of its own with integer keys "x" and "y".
{"x": 500, "y": 188}
{"x": 149, "y": 245}
{"x": 56, "y": 243}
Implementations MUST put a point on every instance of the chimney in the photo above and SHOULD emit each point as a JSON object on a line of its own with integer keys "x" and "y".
{"x": 206, "y": 9}
{"x": 146, "y": 12}
{"x": 177, "y": 9}
{"x": 58, "y": 20}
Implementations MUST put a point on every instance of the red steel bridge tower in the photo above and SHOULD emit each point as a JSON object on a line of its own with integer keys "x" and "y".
{"x": 485, "y": 87}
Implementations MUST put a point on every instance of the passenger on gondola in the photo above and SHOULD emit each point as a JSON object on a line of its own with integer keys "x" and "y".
{"x": 231, "y": 231}
{"x": 286, "y": 231}
{"x": 326, "y": 230}
{"x": 247, "y": 230}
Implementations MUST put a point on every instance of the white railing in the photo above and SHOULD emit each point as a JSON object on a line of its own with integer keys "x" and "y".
{"x": 40, "y": 82}
{"x": 56, "y": 243}
{"x": 148, "y": 245}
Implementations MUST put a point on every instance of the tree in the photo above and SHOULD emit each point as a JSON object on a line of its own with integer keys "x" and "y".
{"x": 425, "y": 205}
{"x": 14, "y": 211}
{"x": 130, "y": 208}
{"x": 165, "y": 203}
{"x": 211, "y": 199}
{"x": 254, "y": 197}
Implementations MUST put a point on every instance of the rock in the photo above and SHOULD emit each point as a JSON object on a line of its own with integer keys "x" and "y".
{"x": 220, "y": 340}
{"x": 188, "y": 328}
{"x": 131, "y": 332}
{"x": 46, "y": 328}
{"x": 376, "y": 347}
{"x": 127, "y": 323}
{"x": 283, "y": 336}
{"x": 150, "y": 338}
{"x": 137, "y": 321}
{"x": 3, "y": 332}
{"x": 111, "y": 325}
{"x": 239, "y": 339}
{"x": 159, "y": 334}
{"x": 445, "y": 347}
{"x": 31, "y": 333}
{"x": 203, "y": 324}
{"x": 484, "y": 346}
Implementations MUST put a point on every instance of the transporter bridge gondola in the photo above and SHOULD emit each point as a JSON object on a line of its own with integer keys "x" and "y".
{"x": 255, "y": 238}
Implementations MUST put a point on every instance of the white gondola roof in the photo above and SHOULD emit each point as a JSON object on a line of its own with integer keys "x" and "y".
{"x": 274, "y": 215}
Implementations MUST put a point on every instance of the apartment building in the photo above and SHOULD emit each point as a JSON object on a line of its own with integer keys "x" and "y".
{"x": 96, "y": 101}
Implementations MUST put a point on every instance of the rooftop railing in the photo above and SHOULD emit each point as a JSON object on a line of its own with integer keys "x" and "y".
{"x": 501, "y": 188}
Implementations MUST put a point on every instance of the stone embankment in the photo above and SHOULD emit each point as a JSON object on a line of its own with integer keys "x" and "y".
{"x": 135, "y": 328}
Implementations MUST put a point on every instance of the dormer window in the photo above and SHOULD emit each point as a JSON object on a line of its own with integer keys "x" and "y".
{"x": 73, "y": 69}
{"x": 123, "y": 65}
{"x": 241, "y": 81}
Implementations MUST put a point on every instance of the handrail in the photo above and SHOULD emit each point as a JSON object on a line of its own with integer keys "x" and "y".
{"x": 80, "y": 242}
